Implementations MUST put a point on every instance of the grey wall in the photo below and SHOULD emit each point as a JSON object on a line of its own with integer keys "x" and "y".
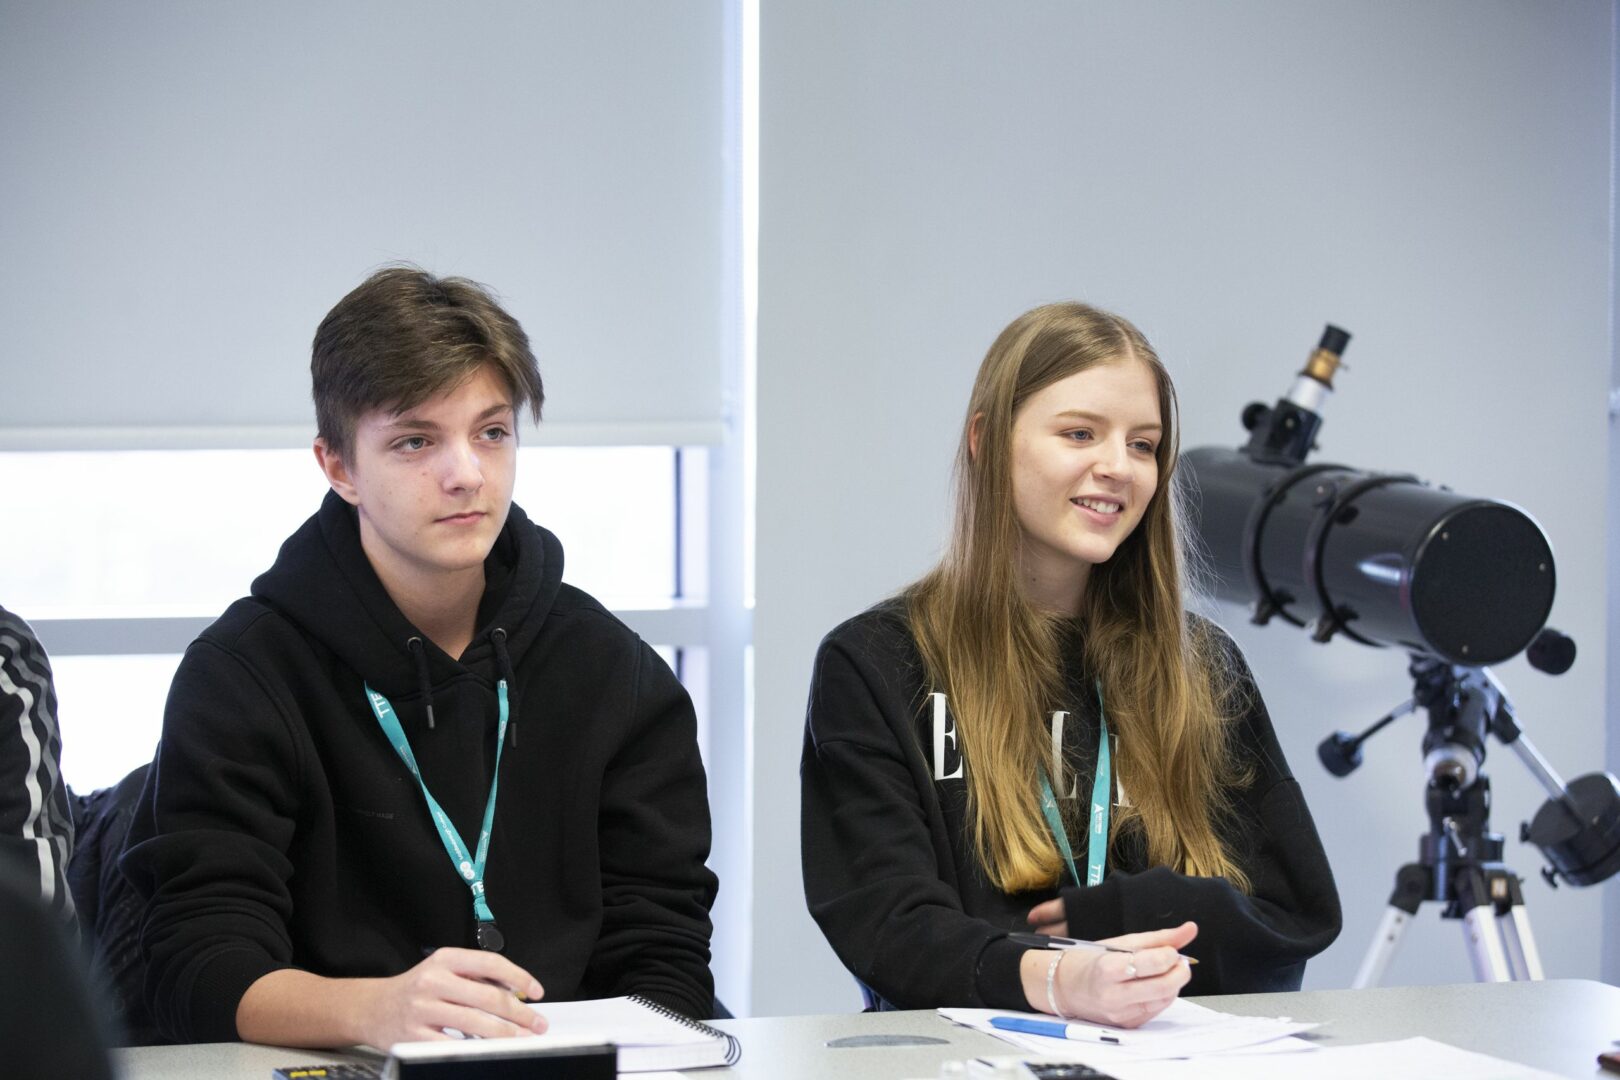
{"x": 1433, "y": 177}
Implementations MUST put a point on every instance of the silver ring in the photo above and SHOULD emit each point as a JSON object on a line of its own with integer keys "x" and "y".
{"x": 1130, "y": 968}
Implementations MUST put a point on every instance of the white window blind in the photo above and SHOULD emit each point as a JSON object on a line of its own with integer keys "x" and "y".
{"x": 190, "y": 187}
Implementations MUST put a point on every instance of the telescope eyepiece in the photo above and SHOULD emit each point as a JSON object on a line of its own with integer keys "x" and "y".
{"x": 1334, "y": 339}
{"x": 1325, "y": 360}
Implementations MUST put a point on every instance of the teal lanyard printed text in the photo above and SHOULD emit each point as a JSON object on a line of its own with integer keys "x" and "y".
{"x": 469, "y": 868}
{"x": 1097, "y": 838}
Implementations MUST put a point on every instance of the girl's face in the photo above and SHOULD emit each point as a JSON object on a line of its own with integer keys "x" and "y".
{"x": 1083, "y": 471}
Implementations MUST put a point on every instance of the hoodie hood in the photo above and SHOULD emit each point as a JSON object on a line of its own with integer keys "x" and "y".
{"x": 323, "y": 581}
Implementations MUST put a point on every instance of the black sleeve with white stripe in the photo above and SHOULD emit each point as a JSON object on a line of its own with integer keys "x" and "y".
{"x": 36, "y": 826}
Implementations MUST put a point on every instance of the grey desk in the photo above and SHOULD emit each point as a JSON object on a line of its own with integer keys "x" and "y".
{"x": 1558, "y": 1025}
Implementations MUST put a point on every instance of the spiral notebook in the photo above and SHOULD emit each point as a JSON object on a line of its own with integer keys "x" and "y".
{"x": 649, "y": 1036}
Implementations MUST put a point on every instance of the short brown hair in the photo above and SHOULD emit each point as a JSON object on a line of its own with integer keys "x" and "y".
{"x": 403, "y": 336}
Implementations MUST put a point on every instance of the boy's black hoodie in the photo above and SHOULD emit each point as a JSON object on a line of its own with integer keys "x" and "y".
{"x": 279, "y": 829}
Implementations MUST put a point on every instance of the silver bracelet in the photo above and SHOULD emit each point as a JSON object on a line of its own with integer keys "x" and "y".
{"x": 1051, "y": 985}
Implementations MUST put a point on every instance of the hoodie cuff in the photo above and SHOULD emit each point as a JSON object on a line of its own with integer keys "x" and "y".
{"x": 997, "y": 979}
{"x": 1097, "y": 911}
{"x": 217, "y": 990}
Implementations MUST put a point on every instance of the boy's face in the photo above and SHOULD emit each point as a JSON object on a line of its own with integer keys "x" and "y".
{"x": 432, "y": 484}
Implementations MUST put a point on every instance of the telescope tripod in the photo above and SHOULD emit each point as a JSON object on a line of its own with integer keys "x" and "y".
{"x": 1460, "y": 865}
{"x": 1459, "y": 859}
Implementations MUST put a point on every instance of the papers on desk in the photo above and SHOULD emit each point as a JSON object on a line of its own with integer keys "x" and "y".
{"x": 1189, "y": 1040}
{"x": 1406, "y": 1059}
{"x": 1182, "y": 1030}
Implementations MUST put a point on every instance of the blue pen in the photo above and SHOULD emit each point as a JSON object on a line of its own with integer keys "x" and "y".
{"x": 1054, "y": 1029}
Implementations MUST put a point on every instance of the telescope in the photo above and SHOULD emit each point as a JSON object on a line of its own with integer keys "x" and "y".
{"x": 1381, "y": 558}
{"x": 1459, "y": 583}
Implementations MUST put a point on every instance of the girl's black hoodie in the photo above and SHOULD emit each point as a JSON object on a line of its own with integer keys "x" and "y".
{"x": 279, "y": 829}
{"x": 891, "y": 875}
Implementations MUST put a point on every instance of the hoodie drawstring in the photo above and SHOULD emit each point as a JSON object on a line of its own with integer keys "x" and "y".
{"x": 423, "y": 684}
{"x": 503, "y": 663}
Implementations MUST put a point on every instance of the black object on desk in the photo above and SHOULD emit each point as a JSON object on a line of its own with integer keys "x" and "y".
{"x": 473, "y": 1060}
{"x": 481, "y": 1059}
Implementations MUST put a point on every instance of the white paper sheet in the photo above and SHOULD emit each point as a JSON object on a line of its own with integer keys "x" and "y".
{"x": 1406, "y": 1059}
{"x": 1182, "y": 1030}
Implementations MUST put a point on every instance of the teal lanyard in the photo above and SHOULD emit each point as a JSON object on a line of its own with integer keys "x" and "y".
{"x": 471, "y": 868}
{"x": 1097, "y": 841}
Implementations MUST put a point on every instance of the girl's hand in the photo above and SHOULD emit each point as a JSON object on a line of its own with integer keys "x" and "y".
{"x": 1049, "y": 918}
{"x": 1123, "y": 989}
{"x": 1127, "y": 990}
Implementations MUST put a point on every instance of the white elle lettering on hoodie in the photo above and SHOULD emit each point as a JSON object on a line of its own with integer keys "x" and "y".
{"x": 946, "y": 747}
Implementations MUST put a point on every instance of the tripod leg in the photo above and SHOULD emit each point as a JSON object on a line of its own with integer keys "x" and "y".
{"x": 1517, "y": 939}
{"x": 1412, "y": 883}
{"x": 1382, "y": 949}
{"x": 1485, "y": 946}
{"x": 1480, "y": 929}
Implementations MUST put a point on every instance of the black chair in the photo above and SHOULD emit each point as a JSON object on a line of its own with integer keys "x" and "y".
{"x": 872, "y": 1001}
{"x": 109, "y": 909}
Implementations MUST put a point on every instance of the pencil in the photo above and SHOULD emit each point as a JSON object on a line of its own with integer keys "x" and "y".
{"x": 1050, "y": 941}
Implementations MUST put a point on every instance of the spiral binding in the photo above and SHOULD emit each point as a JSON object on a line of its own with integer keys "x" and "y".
{"x": 733, "y": 1047}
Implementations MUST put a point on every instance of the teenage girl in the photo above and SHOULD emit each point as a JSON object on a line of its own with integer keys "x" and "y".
{"x": 1037, "y": 736}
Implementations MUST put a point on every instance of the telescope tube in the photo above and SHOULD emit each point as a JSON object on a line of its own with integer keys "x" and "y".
{"x": 1382, "y": 558}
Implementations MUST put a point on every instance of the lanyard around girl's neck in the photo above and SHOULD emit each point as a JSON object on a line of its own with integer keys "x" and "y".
{"x": 470, "y": 868}
{"x": 1097, "y": 839}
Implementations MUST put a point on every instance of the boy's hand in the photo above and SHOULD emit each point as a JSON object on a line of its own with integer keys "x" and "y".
{"x": 469, "y": 990}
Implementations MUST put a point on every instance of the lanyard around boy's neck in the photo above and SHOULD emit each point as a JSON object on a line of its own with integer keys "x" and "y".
{"x": 1097, "y": 831}
{"x": 469, "y": 868}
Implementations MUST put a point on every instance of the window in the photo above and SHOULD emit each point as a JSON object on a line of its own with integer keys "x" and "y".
{"x": 122, "y": 557}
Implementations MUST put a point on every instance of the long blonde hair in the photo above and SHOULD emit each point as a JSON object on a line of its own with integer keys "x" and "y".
{"x": 1000, "y": 660}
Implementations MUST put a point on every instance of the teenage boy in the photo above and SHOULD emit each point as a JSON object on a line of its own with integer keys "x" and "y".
{"x": 414, "y": 775}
